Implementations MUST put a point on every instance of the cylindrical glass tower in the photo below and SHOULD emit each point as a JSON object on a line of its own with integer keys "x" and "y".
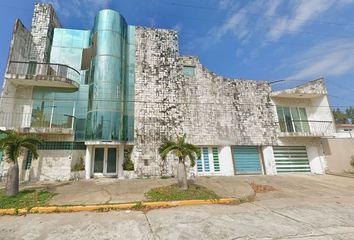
{"x": 107, "y": 78}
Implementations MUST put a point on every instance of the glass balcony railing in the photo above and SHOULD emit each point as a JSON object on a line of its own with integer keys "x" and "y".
{"x": 37, "y": 120}
{"x": 33, "y": 68}
{"x": 291, "y": 127}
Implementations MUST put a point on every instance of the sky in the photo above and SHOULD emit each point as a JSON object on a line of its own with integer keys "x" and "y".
{"x": 294, "y": 40}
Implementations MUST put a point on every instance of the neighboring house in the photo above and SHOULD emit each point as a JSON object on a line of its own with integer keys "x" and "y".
{"x": 118, "y": 91}
{"x": 340, "y": 149}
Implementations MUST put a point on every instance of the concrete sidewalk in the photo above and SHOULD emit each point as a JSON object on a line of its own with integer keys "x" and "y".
{"x": 111, "y": 190}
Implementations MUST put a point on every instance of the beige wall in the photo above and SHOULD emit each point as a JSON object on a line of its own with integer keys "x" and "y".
{"x": 338, "y": 153}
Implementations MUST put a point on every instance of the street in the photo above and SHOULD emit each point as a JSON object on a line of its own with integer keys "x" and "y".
{"x": 325, "y": 212}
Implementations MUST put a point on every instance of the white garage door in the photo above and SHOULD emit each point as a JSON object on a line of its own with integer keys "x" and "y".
{"x": 291, "y": 159}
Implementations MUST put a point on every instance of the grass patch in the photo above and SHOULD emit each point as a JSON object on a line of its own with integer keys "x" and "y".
{"x": 25, "y": 199}
{"x": 173, "y": 192}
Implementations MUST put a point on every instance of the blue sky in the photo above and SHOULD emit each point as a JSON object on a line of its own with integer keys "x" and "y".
{"x": 298, "y": 40}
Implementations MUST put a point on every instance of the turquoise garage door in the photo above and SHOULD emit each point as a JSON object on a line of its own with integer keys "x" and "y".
{"x": 246, "y": 160}
{"x": 291, "y": 159}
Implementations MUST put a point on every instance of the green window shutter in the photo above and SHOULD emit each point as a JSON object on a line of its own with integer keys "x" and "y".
{"x": 216, "y": 159}
{"x": 28, "y": 160}
{"x": 206, "y": 159}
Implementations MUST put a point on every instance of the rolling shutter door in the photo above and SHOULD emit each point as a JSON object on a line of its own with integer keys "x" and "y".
{"x": 291, "y": 159}
{"x": 246, "y": 160}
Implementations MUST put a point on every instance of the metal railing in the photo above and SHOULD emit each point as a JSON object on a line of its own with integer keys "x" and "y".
{"x": 36, "y": 120}
{"x": 43, "y": 69}
{"x": 307, "y": 127}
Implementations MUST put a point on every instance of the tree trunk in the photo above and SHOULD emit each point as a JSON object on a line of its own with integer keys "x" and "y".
{"x": 182, "y": 175}
{"x": 12, "y": 181}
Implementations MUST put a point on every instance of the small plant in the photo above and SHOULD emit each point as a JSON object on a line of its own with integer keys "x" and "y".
{"x": 80, "y": 166}
{"x": 352, "y": 162}
{"x": 138, "y": 205}
{"x": 128, "y": 165}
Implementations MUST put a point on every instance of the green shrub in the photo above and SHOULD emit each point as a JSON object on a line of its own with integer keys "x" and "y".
{"x": 80, "y": 166}
{"x": 128, "y": 165}
{"x": 352, "y": 161}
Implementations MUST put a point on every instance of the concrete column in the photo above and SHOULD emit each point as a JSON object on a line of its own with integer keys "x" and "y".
{"x": 225, "y": 161}
{"x": 269, "y": 161}
{"x": 88, "y": 160}
{"x": 120, "y": 161}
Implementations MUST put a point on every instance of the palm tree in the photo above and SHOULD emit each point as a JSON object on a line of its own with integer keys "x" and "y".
{"x": 182, "y": 150}
{"x": 12, "y": 144}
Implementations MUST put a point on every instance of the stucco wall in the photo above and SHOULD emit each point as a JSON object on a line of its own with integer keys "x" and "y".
{"x": 338, "y": 152}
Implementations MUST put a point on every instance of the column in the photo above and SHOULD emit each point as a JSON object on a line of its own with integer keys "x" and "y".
{"x": 120, "y": 161}
{"x": 88, "y": 161}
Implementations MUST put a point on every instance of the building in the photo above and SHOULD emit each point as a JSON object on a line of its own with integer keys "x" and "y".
{"x": 116, "y": 92}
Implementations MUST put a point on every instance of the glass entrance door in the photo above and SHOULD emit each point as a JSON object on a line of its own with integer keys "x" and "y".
{"x": 105, "y": 161}
{"x": 111, "y": 160}
{"x": 98, "y": 161}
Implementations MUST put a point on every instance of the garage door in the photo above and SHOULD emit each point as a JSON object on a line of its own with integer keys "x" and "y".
{"x": 291, "y": 159}
{"x": 246, "y": 160}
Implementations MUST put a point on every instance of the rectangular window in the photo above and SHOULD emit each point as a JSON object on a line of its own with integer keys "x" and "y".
{"x": 189, "y": 71}
{"x": 293, "y": 119}
{"x": 208, "y": 163}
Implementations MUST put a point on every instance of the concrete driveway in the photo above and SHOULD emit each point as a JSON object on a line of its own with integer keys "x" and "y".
{"x": 303, "y": 207}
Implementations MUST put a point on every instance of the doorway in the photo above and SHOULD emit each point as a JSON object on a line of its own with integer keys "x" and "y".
{"x": 105, "y": 161}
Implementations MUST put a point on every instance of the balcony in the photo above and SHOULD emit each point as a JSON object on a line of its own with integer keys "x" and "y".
{"x": 38, "y": 122}
{"x": 305, "y": 128}
{"x": 43, "y": 75}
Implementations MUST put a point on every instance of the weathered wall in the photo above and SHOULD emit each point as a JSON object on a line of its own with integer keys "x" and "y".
{"x": 210, "y": 109}
{"x": 44, "y": 20}
{"x": 10, "y": 109}
{"x": 157, "y": 84}
{"x": 224, "y": 111}
{"x": 338, "y": 153}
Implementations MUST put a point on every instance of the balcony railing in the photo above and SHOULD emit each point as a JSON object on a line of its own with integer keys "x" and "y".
{"x": 306, "y": 128}
{"x": 38, "y": 122}
{"x": 43, "y": 71}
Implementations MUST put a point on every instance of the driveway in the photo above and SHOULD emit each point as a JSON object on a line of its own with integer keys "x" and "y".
{"x": 303, "y": 207}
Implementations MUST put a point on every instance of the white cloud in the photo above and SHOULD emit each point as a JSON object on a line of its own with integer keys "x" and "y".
{"x": 79, "y": 8}
{"x": 266, "y": 19}
{"x": 299, "y": 15}
{"x": 178, "y": 27}
{"x": 333, "y": 58}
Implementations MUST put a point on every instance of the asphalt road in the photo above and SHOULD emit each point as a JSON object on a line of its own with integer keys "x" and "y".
{"x": 285, "y": 214}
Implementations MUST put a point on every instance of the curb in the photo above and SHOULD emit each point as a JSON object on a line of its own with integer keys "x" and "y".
{"x": 120, "y": 206}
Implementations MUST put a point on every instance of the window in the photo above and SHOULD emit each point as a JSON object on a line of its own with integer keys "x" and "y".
{"x": 293, "y": 119}
{"x": 189, "y": 71}
{"x": 208, "y": 163}
{"x": 28, "y": 160}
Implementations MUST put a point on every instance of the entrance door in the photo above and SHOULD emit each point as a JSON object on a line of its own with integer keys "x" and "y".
{"x": 105, "y": 161}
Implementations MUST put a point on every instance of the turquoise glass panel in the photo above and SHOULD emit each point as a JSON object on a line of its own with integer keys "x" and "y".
{"x": 111, "y": 81}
